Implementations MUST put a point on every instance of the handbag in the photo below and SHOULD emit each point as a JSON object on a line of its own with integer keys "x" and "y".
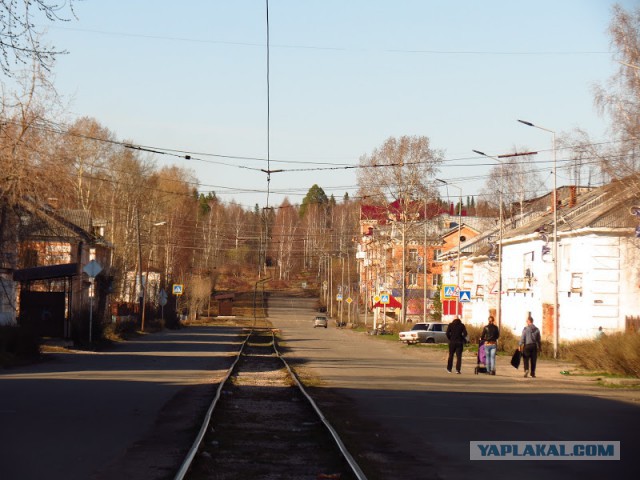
{"x": 515, "y": 358}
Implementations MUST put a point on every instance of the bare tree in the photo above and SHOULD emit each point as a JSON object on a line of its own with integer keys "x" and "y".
{"x": 285, "y": 234}
{"x": 20, "y": 40}
{"x": 401, "y": 169}
{"x": 620, "y": 99}
{"x": 516, "y": 177}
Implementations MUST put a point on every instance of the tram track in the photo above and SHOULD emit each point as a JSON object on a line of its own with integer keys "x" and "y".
{"x": 262, "y": 424}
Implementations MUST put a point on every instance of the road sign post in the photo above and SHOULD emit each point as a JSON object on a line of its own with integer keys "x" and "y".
{"x": 92, "y": 269}
{"x": 162, "y": 300}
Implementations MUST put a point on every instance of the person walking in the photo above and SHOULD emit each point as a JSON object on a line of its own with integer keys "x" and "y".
{"x": 457, "y": 334}
{"x": 529, "y": 346}
{"x": 490, "y": 335}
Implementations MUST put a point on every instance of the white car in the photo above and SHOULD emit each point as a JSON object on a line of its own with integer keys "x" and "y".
{"x": 430, "y": 332}
{"x": 320, "y": 321}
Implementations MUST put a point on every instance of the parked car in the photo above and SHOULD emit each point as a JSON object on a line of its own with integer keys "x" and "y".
{"x": 320, "y": 321}
{"x": 430, "y": 332}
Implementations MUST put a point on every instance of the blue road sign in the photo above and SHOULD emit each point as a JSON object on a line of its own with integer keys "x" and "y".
{"x": 465, "y": 295}
{"x": 449, "y": 291}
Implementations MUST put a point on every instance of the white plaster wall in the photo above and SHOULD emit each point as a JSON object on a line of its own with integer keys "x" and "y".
{"x": 630, "y": 279}
{"x": 610, "y": 268}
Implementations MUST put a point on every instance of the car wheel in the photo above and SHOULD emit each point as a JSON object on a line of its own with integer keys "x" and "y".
{"x": 430, "y": 340}
{"x": 325, "y": 326}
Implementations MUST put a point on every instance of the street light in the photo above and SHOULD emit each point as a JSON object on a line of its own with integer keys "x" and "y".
{"x": 459, "y": 227}
{"x": 498, "y": 159}
{"x": 144, "y": 284}
{"x": 499, "y": 309}
{"x": 556, "y": 329}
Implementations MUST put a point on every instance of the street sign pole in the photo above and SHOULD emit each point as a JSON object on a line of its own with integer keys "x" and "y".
{"x": 91, "y": 280}
{"x": 92, "y": 269}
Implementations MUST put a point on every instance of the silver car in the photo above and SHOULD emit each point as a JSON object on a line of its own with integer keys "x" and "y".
{"x": 320, "y": 321}
{"x": 431, "y": 332}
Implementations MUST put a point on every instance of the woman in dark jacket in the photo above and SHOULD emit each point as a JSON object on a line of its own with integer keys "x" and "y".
{"x": 457, "y": 334}
{"x": 490, "y": 335}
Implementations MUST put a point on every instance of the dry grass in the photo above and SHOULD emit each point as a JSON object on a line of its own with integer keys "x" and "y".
{"x": 617, "y": 354}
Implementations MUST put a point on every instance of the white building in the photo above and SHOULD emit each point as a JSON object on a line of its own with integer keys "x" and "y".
{"x": 598, "y": 266}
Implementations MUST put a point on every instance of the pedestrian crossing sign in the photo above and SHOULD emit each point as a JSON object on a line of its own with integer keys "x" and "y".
{"x": 449, "y": 292}
{"x": 465, "y": 295}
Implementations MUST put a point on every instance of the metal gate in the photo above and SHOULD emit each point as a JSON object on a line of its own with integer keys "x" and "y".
{"x": 43, "y": 312}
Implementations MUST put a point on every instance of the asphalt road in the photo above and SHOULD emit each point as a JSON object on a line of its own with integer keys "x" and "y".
{"x": 414, "y": 420}
{"x": 125, "y": 413}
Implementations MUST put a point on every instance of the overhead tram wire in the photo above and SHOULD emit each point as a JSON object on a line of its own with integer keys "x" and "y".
{"x": 195, "y": 156}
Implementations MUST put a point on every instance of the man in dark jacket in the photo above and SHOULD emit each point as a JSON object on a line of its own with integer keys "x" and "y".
{"x": 530, "y": 346}
{"x": 457, "y": 334}
{"x": 490, "y": 335}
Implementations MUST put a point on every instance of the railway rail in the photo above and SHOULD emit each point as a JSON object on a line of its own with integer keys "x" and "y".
{"x": 262, "y": 424}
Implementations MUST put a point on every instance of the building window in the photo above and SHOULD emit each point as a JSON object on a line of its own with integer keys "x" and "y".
{"x": 576, "y": 283}
{"x": 413, "y": 255}
{"x": 436, "y": 253}
{"x": 413, "y": 279}
{"x": 436, "y": 279}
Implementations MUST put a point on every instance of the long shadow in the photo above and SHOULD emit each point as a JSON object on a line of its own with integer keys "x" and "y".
{"x": 439, "y": 427}
{"x": 78, "y": 412}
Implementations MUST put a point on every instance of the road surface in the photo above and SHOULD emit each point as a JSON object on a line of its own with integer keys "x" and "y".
{"x": 414, "y": 420}
{"x": 125, "y": 413}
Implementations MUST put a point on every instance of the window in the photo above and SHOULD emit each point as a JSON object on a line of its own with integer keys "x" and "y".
{"x": 436, "y": 253}
{"x": 413, "y": 278}
{"x": 576, "y": 282}
{"x": 436, "y": 279}
{"x": 413, "y": 255}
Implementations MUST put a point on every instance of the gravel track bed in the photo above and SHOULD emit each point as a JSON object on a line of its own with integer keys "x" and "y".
{"x": 264, "y": 428}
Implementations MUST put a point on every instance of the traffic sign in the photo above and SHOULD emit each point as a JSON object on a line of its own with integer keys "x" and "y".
{"x": 92, "y": 269}
{"x": 376, "y": 299}
{"x": 178, "y": 289}
{"x": 162, "y": 298}
{"x": 339, "y": 297}
{"x": 349, "y": 300}
{"x": 385, "y": 298}
{"x": 449, "y": 292}
{"x": 465, "y": 295}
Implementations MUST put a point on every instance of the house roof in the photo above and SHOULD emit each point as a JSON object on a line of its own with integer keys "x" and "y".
{"x": 606, "y": 207}
{"x": 385, "y": 213}
{"x": 46, "y": 224}
{"x": 46, "y": 272}
{"x": 598, "y": 208}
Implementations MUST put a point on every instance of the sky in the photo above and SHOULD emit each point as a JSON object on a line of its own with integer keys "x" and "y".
{"x": 343, "y": 76}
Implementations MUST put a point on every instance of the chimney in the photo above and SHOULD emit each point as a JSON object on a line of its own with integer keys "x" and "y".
{"x": 572, "y": 196}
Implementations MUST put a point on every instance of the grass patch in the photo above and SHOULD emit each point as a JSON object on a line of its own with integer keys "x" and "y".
{"x": 616, "y": 354}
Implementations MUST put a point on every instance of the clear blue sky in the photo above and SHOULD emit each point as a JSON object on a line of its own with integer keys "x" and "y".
{"x": 344, "y": 76}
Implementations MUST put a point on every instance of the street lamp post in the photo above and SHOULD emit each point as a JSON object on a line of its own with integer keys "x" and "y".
{"x": 459, "y": 237}
{"x": 556, "y": 328}
{"x": 146, "y": 281}
{"x": 499, "y": 306}
{"x": 498, "y": 159}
